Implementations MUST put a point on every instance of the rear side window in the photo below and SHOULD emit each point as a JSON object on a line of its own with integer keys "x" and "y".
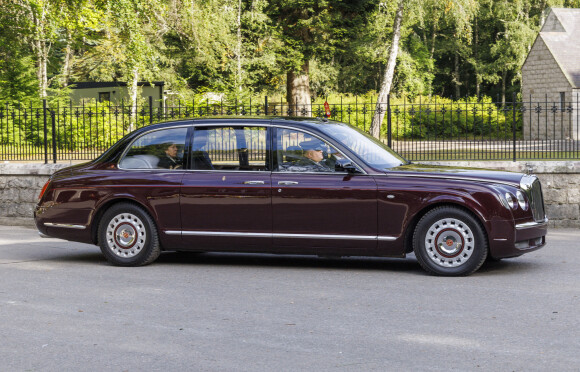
{"x": 160, "y": 149}
{"x": 229, "y": 148}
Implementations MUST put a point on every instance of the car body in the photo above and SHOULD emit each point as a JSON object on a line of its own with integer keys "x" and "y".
{"x": 245, "y": 185}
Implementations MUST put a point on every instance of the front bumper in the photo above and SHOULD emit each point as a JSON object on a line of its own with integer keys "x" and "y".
{"x": 519, "y": 239}
{"x": 527, "y": 238}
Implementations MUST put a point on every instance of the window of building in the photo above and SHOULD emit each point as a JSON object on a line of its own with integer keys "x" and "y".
{"x": 562, "y": 100}
{"x": 104, "y": 96}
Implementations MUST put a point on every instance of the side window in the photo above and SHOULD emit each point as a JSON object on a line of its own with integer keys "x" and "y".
{"x": 230, "y": 148}
{"x": 160, "y": 149}
{"x": 301, "y": 152}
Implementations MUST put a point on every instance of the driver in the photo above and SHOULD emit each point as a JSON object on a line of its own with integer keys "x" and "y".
{"x": 313, "y": 157}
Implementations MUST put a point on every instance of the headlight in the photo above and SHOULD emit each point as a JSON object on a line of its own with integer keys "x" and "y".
{"x": 522, "y": 200}
{"x": 511, "y": 200}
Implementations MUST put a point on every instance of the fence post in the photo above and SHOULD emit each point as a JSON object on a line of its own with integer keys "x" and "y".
{"x": 45, "y": 132}
{"x": 265, "y": 105}
{"x": 389, "y": 123}
{"x": 53, "y": 120}
{"x": 150, "y": 109}
{"x": 514, "y": 124}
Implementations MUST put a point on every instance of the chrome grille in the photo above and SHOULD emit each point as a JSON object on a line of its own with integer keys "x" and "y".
{"x": 533, "y": 189}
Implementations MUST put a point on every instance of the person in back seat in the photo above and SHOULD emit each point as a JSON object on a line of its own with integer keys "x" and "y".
{"x": 170, "y": 160}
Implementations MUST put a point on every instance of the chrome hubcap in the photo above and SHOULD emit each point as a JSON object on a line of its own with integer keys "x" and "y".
{"x": 449, "y": 242}
{"x": 126, "y": 235}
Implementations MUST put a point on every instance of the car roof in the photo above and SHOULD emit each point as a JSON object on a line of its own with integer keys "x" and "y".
{"x": 300, "y": 121}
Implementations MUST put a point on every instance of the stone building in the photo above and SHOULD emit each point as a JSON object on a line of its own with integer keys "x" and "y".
{"x": 114, "y": 92}
{"x": 551, "y": 79}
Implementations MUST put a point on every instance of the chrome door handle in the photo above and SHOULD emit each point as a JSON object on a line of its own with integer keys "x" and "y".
{"x": 287, "y": 183}
{"x": 253, "y": 182}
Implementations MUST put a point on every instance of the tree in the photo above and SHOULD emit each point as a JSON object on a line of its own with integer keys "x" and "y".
{"x": 389, "y": 72}
{"x": 36, "y": 20}
{"x": 298, "y": 24}
{"x": 134, "y": 21}
{"x": 516, "y": 30}
{"x": 307, "y": 29}
{"x": 18, "y": 81}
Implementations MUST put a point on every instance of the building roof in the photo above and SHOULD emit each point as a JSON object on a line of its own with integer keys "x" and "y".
{"x": 111, "y": 84}
{"x": 561, "y": 34}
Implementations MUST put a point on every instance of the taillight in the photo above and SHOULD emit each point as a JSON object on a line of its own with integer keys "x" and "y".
{"x": 43, "y": 189}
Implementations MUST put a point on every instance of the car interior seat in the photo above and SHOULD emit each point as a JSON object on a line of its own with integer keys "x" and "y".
{"x": 293, "y": 154}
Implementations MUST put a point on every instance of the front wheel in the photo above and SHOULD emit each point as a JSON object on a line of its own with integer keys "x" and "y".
{"x": 449, "y": 241}
{"x": 128, "y": 236}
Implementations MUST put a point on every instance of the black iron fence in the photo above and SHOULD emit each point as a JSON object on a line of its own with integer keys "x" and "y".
{"x": 438, "y": 129}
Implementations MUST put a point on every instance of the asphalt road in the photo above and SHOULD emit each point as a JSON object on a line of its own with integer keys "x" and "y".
{"x": 63, "y": 308}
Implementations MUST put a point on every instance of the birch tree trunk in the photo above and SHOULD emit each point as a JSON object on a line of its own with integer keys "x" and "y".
{"x": 476, "y": 63}
{"x": 433, "y": 38}
{"x": 41, "y": 61}
{"x": 66, "y": 68}
{"x": 298, "y": 90}
{"x": 457, "y": 77}
{"x": 239, "y": 47}
{"x": 133, "y": 90}
{"x": 503, "y": 87}
{"x": 375, "y": 129}
{"x": 41, "y": 47}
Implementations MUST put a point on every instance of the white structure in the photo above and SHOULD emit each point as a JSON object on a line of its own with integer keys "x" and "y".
{"x": 114, "y": 92}
{"x": 551, "y": 78}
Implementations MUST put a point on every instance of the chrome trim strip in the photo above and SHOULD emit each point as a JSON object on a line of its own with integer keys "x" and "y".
{"x": 279, "y": 235}
{"x": 387, "y": 238}
{"x": 219, "y": 233}
{"x": 529, "y": 225}
{"x": 450, "y": 178}
{"x": 319, "y": 173}
{"x": 319, "y": 236}
{"x": 68, "y": 226}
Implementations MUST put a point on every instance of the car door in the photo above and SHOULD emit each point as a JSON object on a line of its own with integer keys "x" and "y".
{"x": 226, "y": 196}
{"x": 316, "y": 208}
{"x": 151, "y": 172}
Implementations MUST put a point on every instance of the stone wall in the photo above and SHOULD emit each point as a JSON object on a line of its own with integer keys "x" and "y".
{"x": 20, "y": 185}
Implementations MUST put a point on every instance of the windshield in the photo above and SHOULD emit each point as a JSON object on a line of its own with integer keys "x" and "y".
{"x": 370, "y": 150}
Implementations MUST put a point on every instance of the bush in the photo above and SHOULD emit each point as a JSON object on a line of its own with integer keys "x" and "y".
{"x": 441, "y": 118}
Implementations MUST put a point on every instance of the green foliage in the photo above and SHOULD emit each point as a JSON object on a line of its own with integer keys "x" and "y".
{"x": 17, "y": 78}
{"x": 447, "y": 48}
{"x": 469, "y": 118}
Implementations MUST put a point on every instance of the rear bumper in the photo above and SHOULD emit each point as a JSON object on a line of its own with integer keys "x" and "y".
{"x": 58, "y": 223}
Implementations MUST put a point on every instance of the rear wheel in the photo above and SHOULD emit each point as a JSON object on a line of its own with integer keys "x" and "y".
{"x": 449, "y": 241}
{"x": 128, "y": 236}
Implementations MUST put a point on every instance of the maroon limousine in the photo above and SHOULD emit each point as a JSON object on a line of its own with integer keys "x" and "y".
{"x": 287, "y": 185}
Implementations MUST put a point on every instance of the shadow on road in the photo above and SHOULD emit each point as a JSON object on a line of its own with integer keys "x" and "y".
{"x": 92, "y": 255}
